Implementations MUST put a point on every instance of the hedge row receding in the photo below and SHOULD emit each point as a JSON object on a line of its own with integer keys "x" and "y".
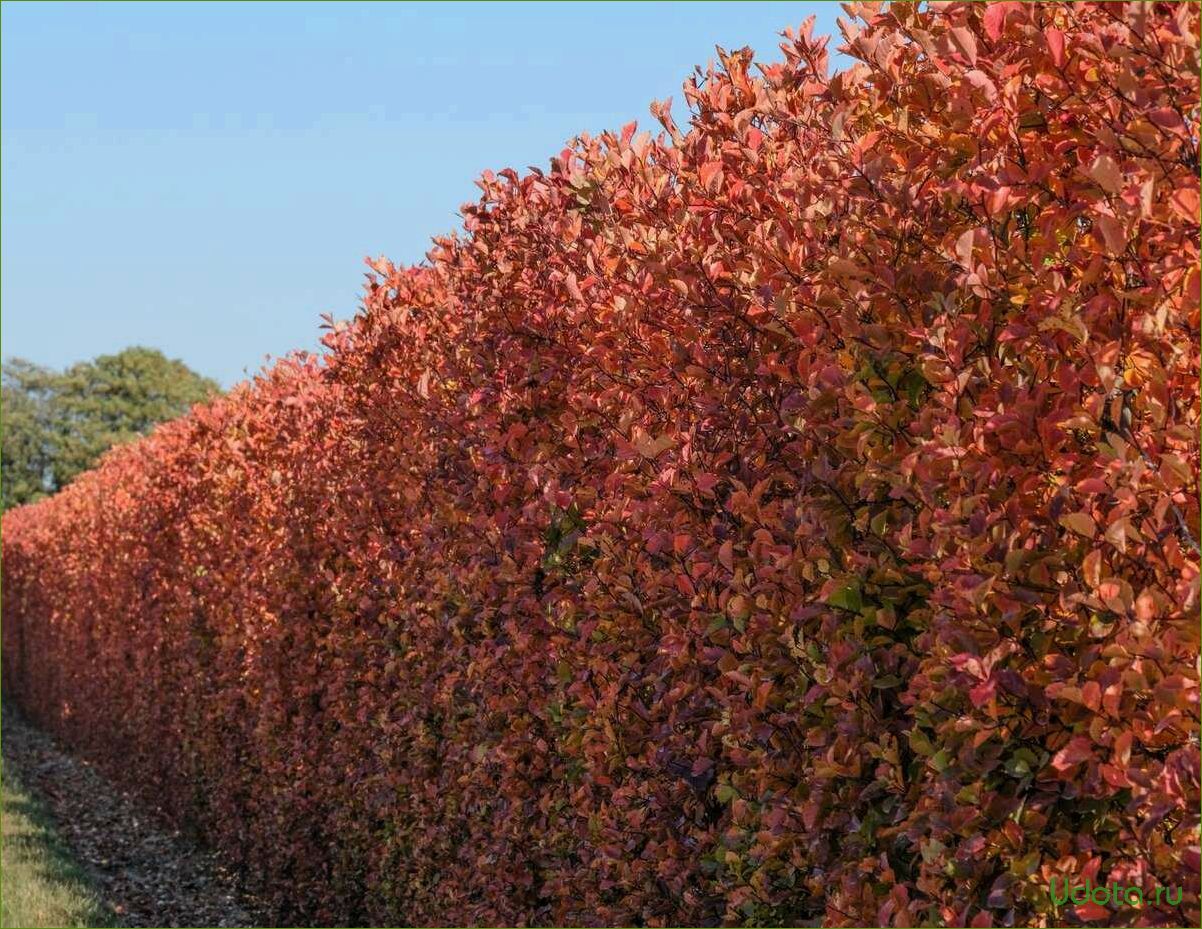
{"x": 788, "y": 520}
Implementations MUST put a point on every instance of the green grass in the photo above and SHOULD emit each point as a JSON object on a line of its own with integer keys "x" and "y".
{"x": 40, "y": 885}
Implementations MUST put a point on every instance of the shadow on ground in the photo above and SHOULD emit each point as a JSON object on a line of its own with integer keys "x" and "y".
{"x": 43, "y": 885}
{"x": 97, "y": 853}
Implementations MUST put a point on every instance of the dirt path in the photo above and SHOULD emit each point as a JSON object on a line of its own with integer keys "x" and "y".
{"x": 147, "y": 874}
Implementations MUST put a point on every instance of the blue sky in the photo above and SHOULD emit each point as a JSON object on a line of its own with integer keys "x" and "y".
{"x": 206, "y": 178}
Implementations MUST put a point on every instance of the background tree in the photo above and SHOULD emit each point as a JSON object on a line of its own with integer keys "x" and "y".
{"x": 57, "y": 424}
{"x": 26, "y": 433}
{"x": 115, "y": 398}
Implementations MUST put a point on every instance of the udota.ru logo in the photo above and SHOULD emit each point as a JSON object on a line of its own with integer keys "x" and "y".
{"x": 1112, "y": 894}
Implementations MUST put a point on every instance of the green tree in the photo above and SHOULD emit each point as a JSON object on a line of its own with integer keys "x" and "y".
{"x": 57, "y": 424}
{"x": 25, "y": 432}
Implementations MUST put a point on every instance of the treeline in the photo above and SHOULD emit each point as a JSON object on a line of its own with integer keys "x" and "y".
{"x": 57, "y": 424}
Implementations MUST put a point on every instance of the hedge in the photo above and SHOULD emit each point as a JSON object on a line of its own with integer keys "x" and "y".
{"x": 790, "y": 519}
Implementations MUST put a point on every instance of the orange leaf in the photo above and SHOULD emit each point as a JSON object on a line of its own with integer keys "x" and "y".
{"x": 1081, "y": 523}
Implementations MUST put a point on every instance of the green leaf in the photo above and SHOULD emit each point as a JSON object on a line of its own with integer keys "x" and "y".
{"x": 1020, "y": 764}
{"x": 847, "y": 598}
{"x": 920, "y": 743}
{"x": 912, "y": 385}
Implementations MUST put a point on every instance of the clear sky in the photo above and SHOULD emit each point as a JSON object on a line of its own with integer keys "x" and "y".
{"x": 206, "y": 178}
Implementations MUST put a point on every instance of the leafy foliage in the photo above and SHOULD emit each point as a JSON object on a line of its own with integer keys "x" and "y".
{"x": 26, "y": 453}
{"x": 792, "y": 519}
{"x": 58, "y": 424}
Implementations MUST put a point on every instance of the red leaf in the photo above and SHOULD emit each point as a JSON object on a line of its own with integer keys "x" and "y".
{"x": 983, "y": 692}
{"x": 1055, "y": 45}
{"x": 965, "y": 43}
{"x": 711, "y": 175}
{"x": 1078, "y": 749}
{"x": 726, "y": 555}
{"x": 995, "y": 18}
{"x": 1184, "y": 201}
{"x": 1112, "y": 234}
{"x": 1106, "y": 172}
{"x": 1166, "y": 117}
{"x": 1091, "y": 911}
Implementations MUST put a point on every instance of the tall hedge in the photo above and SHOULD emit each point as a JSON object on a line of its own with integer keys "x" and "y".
{"x": 790, "y": 519}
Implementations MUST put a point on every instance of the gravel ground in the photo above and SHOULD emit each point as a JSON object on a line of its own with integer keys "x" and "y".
{"x": 148, "y": 874}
